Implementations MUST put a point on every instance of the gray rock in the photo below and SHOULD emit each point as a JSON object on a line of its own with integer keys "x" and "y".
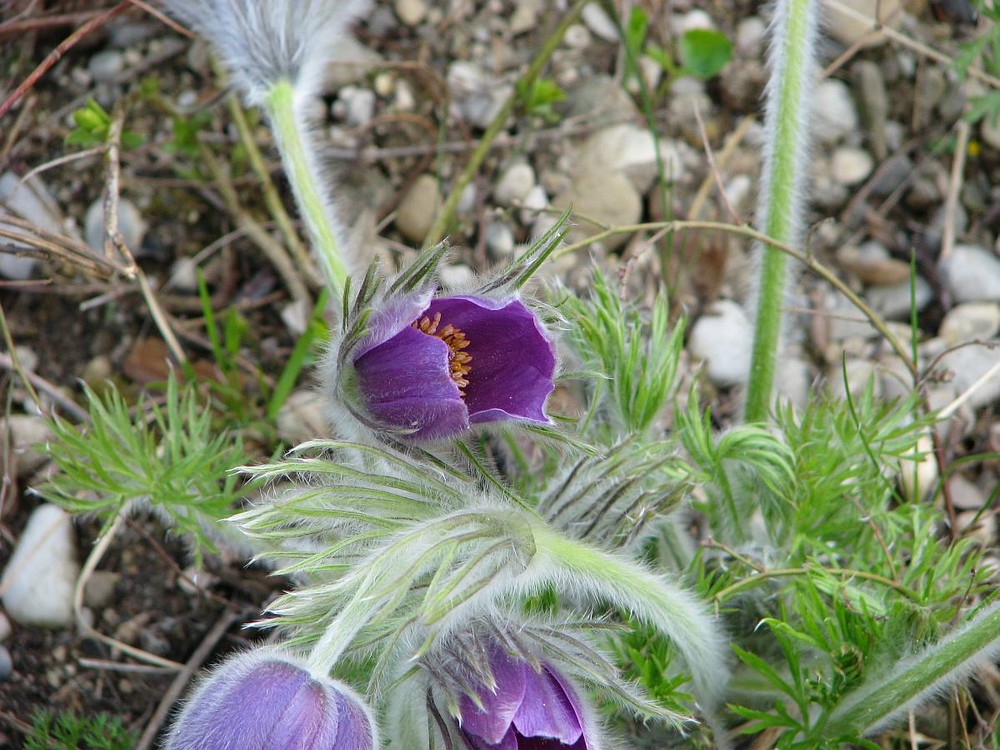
{"x": 359, "y": 105}
{"x": 5, "y": 627}
{"x": 989, "y": 131}
{"x": 792, "y": 380}
{"x": 514, "y": 184}
{"x": 608, "y": 198}
{"x": 970, "y": 321}
{"x": 350, "y": 62}
{"x": 184, "y": 275}
{"x": 835, "y": 115}
{"x": 477, "y": 95}
{"x": 525, "y": 16}
{"x": 599, "y": 22}
{"x": 869, "y": 87}
{"x": 417, "y": 209}
{"x": 131, "y": 225}
{"x": 28, "y": 435}
{"x": 500, "y": 239}
{"x": 6, "y": 664}
{"x": 891, "y": 174}
{"x": 39, "y": 578}
{"x": 859, "y": 373}
{"x": 410, "y": 12}
{"x": 723, "y": 338}
{"x": 302, "y": 417}
{"x": 600, "y": 99}
{"x": 105, "y": 65}
{"x": 972, "y": 274}
{"x": 631, "y": 150}
{"x": 967, "y": 364}
{"x": 872, "y": 263}
{"x": 850, "y": 165}
{"x": 100, "y": 588}
{"x": 31, "y": 201}
{"x": 577, "y": 37}
{"x": 457, "y": 277}
{"x": 750, "y": 37}
{"x": 965, "y": 495}
{"x": 893, "y": 301}
{"x": 935, "y": 230}
{"x": 533, "y": 206}
{"x": 931, "y": 88}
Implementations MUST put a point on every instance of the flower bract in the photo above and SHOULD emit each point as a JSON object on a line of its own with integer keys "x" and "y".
{"x": 527, "y": 710}
{"x": 432, "y": 367}
{"x": 259, "y": 701}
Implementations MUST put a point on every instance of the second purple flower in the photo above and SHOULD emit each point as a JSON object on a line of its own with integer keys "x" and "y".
{"x": 431, "y": 368}
{"x": 527, "y": 710}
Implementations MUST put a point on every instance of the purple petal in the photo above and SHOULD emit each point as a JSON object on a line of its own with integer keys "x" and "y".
{"x": 547, "y": 710}
{"x": 513, "y": 361}
{"x": 405, "y": 383}
{"x": 507, "y": 742}
{"x": 493, "y": 724}
{"x": 391, "y": 318}
{"x": 269, "y": 705}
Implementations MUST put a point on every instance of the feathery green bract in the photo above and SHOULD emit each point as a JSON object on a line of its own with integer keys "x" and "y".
{"x": 169, "y": 459}
{"x": 635, "y": 359}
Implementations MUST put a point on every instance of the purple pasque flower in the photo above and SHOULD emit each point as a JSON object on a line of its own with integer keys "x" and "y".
{"x": 527, "y": 710}
{"x": 430, "y": 368}
{"x": 264, "y": 700}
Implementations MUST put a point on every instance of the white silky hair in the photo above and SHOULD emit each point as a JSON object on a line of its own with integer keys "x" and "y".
{"x": 262, "y": 42}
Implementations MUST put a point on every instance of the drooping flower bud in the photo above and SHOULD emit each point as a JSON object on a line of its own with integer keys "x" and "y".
{"x": 266, "y": 700}
{"x": 527, "y": 710}
{"x": 429, "y": 368}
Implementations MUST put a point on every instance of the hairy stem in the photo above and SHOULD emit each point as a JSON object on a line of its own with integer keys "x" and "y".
{"x": 303, "y": 171}
{"x": 876, "y": 703}
{"x": 598, "y": 575}
{"x": 786, "y": 118}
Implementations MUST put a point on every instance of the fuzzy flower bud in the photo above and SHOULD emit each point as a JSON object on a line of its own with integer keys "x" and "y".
{"x": 429, "y": 368}
{"x": 264, "y": 700}
{"x": 526, "y": 710}
{"x": 263, "y": 42}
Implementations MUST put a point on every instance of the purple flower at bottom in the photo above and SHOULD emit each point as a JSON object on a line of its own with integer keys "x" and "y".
{"x": 264, "y": 701}
{"x": 529, "y": 710}
{"x": 431, "y": 368}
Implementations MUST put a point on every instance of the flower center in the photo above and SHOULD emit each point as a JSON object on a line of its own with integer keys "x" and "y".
{"x": 458, "y": 361}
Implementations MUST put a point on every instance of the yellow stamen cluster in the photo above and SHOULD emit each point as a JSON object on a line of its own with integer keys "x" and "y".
{"x": 458, "y": 361}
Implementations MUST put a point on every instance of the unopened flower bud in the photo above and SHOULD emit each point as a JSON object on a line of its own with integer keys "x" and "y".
{"x": 265, "y": 700}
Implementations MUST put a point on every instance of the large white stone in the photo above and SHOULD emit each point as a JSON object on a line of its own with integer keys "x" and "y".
{"x": 967, "y": 364}
{"x": 836, "y": 115}
{"x": 609, "y": 198}
{"x": 632, "y": 151}
{"x": 723, "y": 337}
{"x": 970, "y": 321}
{"x": 416, "y": 211}
{"x": 39, "y": 578}
{"x": 972, "y": 274}
{"x": 514, "y": 184}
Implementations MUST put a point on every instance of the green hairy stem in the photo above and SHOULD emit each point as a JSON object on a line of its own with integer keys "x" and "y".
{"x": 302, "y": 170}
{"x": 780, "y": 213}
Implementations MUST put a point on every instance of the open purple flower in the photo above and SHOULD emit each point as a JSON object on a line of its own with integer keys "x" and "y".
{"x": 264, "y": 701}
{"x": 430, "y": 368}
{"x": 529, "y": 710}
